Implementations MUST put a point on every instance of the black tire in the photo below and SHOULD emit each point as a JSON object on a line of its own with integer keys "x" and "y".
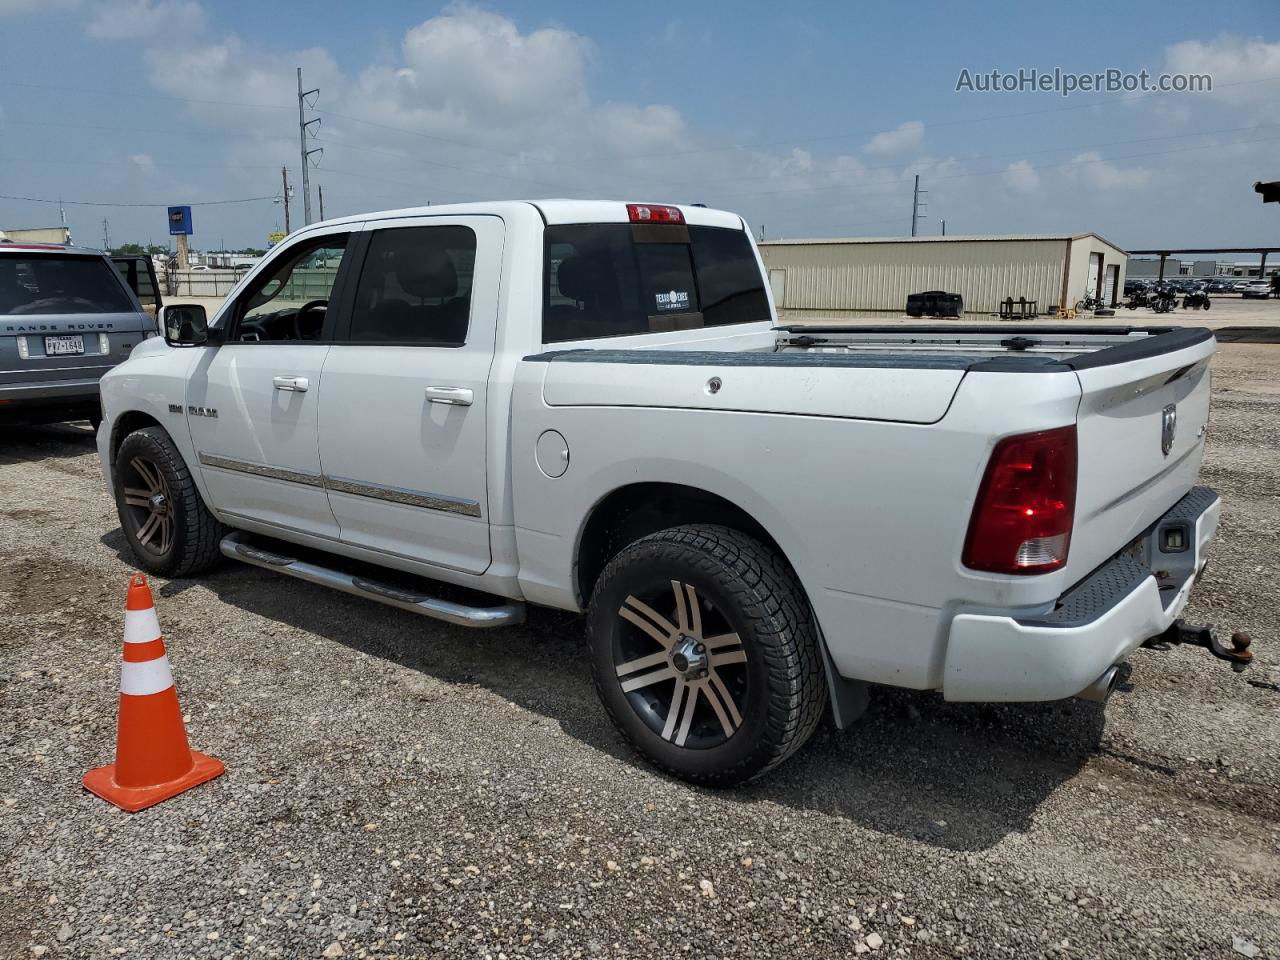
{"x": 183, "y": 536}
{"x": 734, "y": 583}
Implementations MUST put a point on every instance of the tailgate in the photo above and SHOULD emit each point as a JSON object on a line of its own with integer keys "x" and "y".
{"x": 1141, "y": 427}
{"x": 93, "y": 344}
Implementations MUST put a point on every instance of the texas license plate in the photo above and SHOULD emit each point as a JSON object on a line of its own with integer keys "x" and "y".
{"x": 59, "y": 346}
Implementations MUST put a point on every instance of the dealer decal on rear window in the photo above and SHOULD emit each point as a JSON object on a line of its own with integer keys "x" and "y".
{"x": 672, "y": 301}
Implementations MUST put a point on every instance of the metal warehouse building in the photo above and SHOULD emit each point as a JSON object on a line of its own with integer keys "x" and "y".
{"x": 866, "y": 276}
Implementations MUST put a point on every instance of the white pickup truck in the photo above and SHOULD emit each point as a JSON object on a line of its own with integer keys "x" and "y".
{"x": 462, "y": 410}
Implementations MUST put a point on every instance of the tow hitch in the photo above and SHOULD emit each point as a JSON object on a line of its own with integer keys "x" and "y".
{"x": 1238, "y": 654}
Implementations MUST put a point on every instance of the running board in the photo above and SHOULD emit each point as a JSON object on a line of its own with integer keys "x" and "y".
{"x": 504, "y": 615}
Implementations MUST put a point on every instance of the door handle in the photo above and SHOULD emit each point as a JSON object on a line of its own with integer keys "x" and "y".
{"x": 453, "y": 396}
{"x": 291, "y": 384}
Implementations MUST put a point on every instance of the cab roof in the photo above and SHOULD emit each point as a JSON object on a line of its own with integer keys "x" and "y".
{"x": 552, "y": 212}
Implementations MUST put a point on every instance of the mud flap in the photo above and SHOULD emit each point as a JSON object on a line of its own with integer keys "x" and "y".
{"x": 849, "y": 698}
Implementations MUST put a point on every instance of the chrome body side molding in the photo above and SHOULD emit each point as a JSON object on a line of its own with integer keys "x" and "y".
{"x": 374, "y": 491}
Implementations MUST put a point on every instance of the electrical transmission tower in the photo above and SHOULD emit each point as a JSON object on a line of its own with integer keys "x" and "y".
{"x": 303, "y": 124}
{"x": 916, "y": 215}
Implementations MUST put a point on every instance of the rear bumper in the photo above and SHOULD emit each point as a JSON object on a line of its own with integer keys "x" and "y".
{"x": 49, "y": 401}
{"x": 51, "y": 390}
{"x": 1093, "y": 626}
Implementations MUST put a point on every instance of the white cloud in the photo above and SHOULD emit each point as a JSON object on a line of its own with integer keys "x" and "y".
{"x": 902, "y": 139}
{"x": 142, "y": 19}
{"x": 143, "y": 163}
{"x": 1021, "y": 176}
{"x": 467, "y": 105}
{"x": 1240, "y": 67}
{"x": 1095, "y": 171}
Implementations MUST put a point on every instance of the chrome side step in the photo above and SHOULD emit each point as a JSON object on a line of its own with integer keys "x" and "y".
{"x": 505, "y": 614}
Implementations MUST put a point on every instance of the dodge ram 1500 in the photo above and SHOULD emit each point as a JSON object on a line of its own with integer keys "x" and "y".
{"x": 462, "y": 410}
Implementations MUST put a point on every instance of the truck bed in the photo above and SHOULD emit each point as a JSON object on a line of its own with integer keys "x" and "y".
{"x": 1028, "y": 347}
{"x": 900, "y": 374}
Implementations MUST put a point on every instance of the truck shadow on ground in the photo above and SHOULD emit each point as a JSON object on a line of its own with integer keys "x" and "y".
{"x": 954, "y": 776}
{"x": 59, "y": 441}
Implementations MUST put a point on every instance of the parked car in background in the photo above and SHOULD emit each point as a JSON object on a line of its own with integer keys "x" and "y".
{"x": 1219, "y": 286}
{"x": 1255, "y": 289}
{"x": 66, "y": 318}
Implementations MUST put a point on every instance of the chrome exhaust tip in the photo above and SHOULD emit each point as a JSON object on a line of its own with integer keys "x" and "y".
{"x": 1101, "y": 689}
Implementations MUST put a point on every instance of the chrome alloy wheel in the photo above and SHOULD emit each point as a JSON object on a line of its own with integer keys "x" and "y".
{"x": 692, "y": 689}
{"x": 149, "y": 506}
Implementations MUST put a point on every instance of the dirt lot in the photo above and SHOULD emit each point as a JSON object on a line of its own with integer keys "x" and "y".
{"x": 401, "y": 787}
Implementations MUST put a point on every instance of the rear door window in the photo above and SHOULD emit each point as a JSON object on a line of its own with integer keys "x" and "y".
{"x": 47, "y": 284}
{"x": 620, "y": 279}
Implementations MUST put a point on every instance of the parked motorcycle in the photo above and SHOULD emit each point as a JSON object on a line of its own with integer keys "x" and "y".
{"x": 1138, "y": 298}
{"x": 1164, "y": 300}
{"x": 1089, "y": 304}
{"x": 1196, "y": 299}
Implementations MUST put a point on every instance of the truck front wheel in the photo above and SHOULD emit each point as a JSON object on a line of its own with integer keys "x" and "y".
{"x": 705, "y": 654}
{"x": 168, "y": 527}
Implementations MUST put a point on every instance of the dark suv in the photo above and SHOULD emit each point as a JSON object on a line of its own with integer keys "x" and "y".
{"x": 66, "y": 318}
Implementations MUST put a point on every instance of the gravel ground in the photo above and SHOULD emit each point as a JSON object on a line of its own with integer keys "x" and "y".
{"x": 401, "y": 787}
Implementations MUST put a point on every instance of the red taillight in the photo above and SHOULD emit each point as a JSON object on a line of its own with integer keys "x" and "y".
{"x": 1022, "y": 520}
{"x": 653, "y": 213}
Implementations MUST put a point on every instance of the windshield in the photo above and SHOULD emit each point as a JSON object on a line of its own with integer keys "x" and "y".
{"x": 44, "y": 284}
{"x": 622, "y": 279}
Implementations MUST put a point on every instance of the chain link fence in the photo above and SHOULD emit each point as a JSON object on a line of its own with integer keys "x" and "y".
{"x": 304, "y": 284}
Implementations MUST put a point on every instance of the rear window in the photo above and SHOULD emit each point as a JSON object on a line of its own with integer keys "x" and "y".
{"x": 36, "y": 284}
{"x": 621, "y": 279}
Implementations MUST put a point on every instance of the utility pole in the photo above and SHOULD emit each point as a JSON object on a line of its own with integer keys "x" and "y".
{"x": 916, "y": 215}
{"x": 320, "y": 189}
{"x": 944, "y": 228}
{"x": 285, "y": 195}
{"x": 106, "y": 236}
{"x": 303, "y": 123}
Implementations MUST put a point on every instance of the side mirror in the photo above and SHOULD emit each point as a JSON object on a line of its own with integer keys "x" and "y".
{"x": 184, "y": 324}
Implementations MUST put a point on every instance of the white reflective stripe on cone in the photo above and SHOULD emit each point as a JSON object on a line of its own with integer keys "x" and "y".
{"x": 143, "y": 679}
{"x": 141, "y": 626}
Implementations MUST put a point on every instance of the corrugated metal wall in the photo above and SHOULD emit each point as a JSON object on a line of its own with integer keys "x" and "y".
{"x": 851, "y": 277}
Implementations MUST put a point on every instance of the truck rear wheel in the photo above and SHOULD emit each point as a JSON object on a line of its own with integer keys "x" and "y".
{"x": 168, "y": 527}
{"x": 705, "y": 654}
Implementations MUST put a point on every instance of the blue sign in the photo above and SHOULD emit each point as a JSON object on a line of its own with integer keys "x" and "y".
{"x": 179, "y": 221}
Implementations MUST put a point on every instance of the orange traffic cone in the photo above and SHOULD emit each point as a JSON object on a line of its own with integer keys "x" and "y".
{"x": 153, "y": 760}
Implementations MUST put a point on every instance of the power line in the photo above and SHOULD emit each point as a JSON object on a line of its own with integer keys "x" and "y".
{"x": 794, "y": 141}
{"x": 136, "y": 95}
{"x": 790, "y": 141}
{"x": 817, "y": 189}
{"x": 97, "y": 203}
